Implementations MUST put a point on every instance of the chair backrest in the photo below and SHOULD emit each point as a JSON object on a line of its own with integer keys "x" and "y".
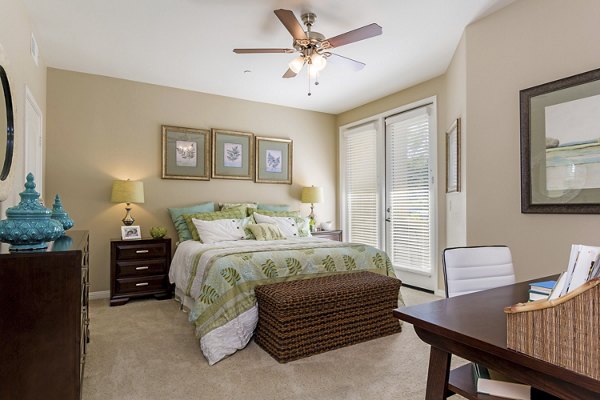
{"x": 471, "y": 269}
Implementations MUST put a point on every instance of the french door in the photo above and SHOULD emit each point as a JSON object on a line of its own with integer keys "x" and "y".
{"x": 410, "y": 196}
{"x": 387, "y": 166}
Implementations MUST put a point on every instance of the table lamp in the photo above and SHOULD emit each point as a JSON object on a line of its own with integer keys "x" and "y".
{"x": 127, "y": 192}
{"x": 312, "y": 195}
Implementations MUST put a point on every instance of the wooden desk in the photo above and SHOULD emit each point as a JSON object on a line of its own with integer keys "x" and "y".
{"x": 473, "y": 327}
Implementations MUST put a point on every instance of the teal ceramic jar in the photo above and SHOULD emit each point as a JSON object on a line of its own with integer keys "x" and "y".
{"x": 59, "y": 214}
{"x": 29, "y": 225}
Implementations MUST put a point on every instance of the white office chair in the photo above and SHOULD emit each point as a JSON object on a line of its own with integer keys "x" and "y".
{"x": 471, "y": 269}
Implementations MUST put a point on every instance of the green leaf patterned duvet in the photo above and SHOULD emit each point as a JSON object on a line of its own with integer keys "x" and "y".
{"x": 221, "y": 277}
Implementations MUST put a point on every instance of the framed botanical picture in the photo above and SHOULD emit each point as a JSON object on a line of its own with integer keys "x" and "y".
{"x": 453, "y": 157}
{"x": 273, "y": 160}
{"x": 232, "y": 154}
{"x": 185, "y": 153}
{"x": 131, "y": 232}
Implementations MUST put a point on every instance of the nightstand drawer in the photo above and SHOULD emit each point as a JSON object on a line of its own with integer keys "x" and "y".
{"x": 140, "y": 250}
{"x": 331, "y": 235}
{"x": 142, "y": 284}
{"x": 141, "y": 268}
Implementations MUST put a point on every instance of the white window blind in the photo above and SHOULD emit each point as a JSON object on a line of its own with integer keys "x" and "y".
{"x": 359, "y": 152}
{"x": 409, "y": 190}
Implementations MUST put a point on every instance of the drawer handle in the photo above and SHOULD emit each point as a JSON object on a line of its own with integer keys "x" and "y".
{"x": 141, "y": 251}
{"x": 141, "y": 268}
{"x": 142, "y": 284}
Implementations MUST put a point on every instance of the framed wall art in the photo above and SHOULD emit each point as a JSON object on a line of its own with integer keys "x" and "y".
{"x": 274, "y": 159}
{"x": 185, "y": 153}
{"x": 453, "y": 157}
{"x": 560, "y": 146}
{"x": 232, "y": 154}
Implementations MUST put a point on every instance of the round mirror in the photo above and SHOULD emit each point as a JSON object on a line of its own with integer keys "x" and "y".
{"x": 6, "y": 125}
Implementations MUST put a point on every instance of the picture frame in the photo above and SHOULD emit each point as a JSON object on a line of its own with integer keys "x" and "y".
{"x": 131, "y": 232}
{"x": 274, "y": 160}
{"x": 453, "y": 157}
{"x": 185, "y": 153}
{"x": 559, "y": 127}
{"x": 232, "y": 155}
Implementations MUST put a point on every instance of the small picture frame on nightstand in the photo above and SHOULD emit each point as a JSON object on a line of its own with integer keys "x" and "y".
{"x": 131, "y": 232}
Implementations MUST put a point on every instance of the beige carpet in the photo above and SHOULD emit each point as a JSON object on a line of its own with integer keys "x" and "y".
{"x": 146, "y": 350}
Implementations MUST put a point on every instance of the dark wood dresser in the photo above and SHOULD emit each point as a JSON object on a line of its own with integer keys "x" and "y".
{"x": 139, "y": 268}
{"x": 44, "y": 320}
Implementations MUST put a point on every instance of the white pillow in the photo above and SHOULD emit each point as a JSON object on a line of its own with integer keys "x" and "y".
{"x": 220, "y": 230}
{"x": 287, "y": 225}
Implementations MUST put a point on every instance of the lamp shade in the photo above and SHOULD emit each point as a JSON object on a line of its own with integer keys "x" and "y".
{"x": 312, "y": 194}
{"x": 127, "y": 192}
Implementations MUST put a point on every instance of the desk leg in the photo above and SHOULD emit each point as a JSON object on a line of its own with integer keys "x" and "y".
{"x": 437, "y": 376}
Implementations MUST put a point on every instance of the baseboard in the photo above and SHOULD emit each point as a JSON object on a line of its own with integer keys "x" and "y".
{"x": 104, "y": 294}
{"x": 440, "y": 292}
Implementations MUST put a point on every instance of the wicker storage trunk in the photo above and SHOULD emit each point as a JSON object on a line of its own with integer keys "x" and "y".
{"x": 300, "y": 318}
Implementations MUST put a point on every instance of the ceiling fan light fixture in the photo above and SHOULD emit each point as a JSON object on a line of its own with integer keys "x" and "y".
{"x": 318, "y": 62}
{"x": 296, "y": 64}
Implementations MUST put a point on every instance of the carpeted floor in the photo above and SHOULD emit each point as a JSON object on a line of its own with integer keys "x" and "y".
{"x": 146, "y": 350}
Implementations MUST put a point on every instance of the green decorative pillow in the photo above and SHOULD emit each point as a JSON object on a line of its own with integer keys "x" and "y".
{"x": 273, "y": 207}
{"x": 179, "y": 222}
{"x": 265, "y": 231}
{"x": 278, "y": 213}
{"x": 248, "y": 208}
{"x": 210, "y": 216}
{"x": 303, "y": 224}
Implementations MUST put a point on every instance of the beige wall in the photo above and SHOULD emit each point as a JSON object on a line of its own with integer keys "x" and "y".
{"x": 526, "y": 44}
{"x": 100, "y": 129}
{"x": 456, "y": 107}
{"x": 15, "y": 35}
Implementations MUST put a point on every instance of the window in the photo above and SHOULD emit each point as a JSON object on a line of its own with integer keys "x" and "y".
{"x": 359, "y": 155}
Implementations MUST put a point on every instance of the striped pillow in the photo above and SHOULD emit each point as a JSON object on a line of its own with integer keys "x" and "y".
{"x": 265, "y": 231}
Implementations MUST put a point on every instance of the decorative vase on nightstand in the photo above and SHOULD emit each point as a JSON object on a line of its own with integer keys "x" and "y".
{"x": 28, "y": 225}
{"x": 59, "y": 214}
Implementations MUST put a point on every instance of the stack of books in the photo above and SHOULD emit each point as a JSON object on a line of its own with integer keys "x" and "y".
{"x": 494, "y": 384}
{"x": 500, "y": 388}
{"x": 540, "y": 290}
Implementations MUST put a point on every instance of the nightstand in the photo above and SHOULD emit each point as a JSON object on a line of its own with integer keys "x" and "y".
{"x": 139, "y": 268}
{"x": 331, "y": 235}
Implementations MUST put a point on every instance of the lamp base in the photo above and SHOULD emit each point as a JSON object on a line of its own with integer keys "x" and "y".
{"x": 128, "y": 220}
{"x": 313, "y": 218}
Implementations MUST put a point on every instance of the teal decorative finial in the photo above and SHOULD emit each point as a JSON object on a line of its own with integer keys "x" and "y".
{"x": 59, "y": 214}
{"x": 28, "y": 225}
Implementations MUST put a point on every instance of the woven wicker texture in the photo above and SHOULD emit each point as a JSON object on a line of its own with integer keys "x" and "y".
{"x": 565, "y": 334}
{"x": 301, "y": 318}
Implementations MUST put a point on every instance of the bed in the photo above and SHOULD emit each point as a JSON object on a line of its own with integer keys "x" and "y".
{"x": 215, "y": 282}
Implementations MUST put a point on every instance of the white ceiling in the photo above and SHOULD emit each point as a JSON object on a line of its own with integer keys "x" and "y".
{"x": 188, "y": 44}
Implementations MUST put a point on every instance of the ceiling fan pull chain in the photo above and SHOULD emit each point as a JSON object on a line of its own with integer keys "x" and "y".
{"x": 316, "y": 78}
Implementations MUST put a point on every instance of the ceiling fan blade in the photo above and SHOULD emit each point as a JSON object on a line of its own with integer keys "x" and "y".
{"x": 356, "y": 35}
{"x": 348, "y": 62}
{"x": 289, "y": 20}
{"x": 256, "y": 51}
{"x": 289, "y": 74}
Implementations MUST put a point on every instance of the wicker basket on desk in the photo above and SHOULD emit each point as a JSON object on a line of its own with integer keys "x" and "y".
{"x": 564, "y": 332}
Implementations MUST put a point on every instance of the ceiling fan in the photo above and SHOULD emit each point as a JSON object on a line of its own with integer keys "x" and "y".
{"x": 313, "y": 46}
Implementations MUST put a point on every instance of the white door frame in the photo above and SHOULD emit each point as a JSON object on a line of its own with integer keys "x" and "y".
{"x": 430, "y": 281}
{"x": 31, "y": 143}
